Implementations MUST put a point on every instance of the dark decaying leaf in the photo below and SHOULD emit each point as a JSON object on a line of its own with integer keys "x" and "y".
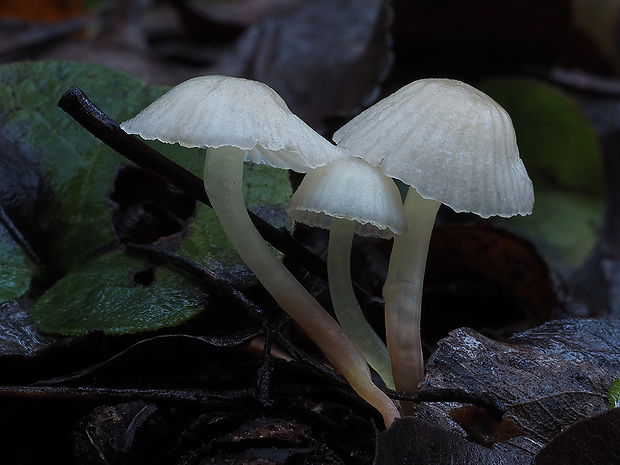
{"x": 591, "y": 441}
{"x": 135, "y": 431}
{"x": 475, "y": 268}
{"x": 548, "y": 377}
{"x": 163, "y": 355}
{"x": 415, "y": 441}
{"x": 18, "y": 335}
{"x": 325, "y": 57}
{"x": 182, "y": 399}
{"x": 112, "y": 430}
{"x": 44, "y": 11}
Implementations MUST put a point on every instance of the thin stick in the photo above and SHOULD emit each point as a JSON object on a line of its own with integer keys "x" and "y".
{"x": 108, "y": 394}
{"x": 491, "y": 403}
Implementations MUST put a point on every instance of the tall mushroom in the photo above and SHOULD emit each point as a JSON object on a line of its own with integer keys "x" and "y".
{"x": 451, "y": 144}
{"x": 236, "y": 118}
{"x": 348, "y": 197}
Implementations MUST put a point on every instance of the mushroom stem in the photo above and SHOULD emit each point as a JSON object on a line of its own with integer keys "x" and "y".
{"x": 402, "y": 292}
{"x": 346, "y": 307}
{"x": 223, "y": 177}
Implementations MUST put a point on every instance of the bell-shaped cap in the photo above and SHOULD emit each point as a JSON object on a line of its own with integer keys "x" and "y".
{"x": 350, "y": 189}
{"x": 450, "y": 141}
{"x": 217, "y": 111}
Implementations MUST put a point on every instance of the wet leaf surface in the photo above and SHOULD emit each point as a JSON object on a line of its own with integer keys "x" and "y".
{"x": 548, "y": 377}
{"x": 119, "y": 295}
{"x": 592, "y": 440}
{"x": 19, "y": 336}
{"x": 416, "y": 441}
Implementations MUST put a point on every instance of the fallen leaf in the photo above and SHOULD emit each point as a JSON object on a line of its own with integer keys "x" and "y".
{"x": 325, "y": 57}
{"x": 547, "y": 377}
{"x": 591, "y": 441}
{"x": 472, "y": 268}
{"x": 42, "y": 10}
{"x": 416, "y": 441}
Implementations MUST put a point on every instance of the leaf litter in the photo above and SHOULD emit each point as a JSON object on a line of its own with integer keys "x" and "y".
{"x": 533, "y": 426}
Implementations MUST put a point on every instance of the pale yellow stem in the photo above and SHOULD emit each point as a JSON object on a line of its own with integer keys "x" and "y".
{"x": 403, "y": 293}
{"x": 346, "y": 307}
{"x": 223, "y": 177}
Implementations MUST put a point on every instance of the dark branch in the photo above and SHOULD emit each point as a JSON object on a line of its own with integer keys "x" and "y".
{"x": 122, "y": 395}
{"x": 492, "y": 404}
{"x": 104, "y": 128}
{"x": 204, "y": 274}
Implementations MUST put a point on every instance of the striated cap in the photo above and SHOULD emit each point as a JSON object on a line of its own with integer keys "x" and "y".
{"x": 217, "y": 111}
{"x": 350, "y": 189}
{"x": 448, "y": 140}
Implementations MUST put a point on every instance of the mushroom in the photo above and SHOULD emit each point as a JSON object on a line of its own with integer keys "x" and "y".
{"x": 453, "y": 145}
{"x": 237, "y": 119}
{"x": 350, "y": 197}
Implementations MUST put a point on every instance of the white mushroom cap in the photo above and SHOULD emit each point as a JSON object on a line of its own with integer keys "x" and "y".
{"x": 448, "y": 140}
{"x": 218, "y": 111}
{"x": 350, "y": 189}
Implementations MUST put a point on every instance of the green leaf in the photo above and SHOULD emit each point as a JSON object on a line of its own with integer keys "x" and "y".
{"x": 72, "y": 207}
{"x": 561, "y": 153}
{"x": 16, "y": 268}
{"x": 614, "y": 395}
{"x": 208, "y": 244}
{"x": 102, "y": 293}
{"x": 77, "y": 168}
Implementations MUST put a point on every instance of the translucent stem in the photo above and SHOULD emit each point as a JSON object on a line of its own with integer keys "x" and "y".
{"x": 348, "y": 311}
{"x": 403, "y": 292}
{"x": 223, "y": 176}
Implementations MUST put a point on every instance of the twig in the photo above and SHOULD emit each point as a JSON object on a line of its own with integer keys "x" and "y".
{"x": 486, "y": 400}
{"x": 79, "y": 107}
{"x": 111, "y": 394}
{"x": 19, "y": 238}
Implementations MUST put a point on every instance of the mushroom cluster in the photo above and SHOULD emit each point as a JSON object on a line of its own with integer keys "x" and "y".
{"x": 447, "y": 141}
{"x": 238, "y": 119}
{"x": 350, "y": 197}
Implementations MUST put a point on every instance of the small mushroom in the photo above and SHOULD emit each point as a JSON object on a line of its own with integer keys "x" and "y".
{"x": 350, "y": 197}
{"x": 237, "y": 119}
{"x": 451, "y": 144}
